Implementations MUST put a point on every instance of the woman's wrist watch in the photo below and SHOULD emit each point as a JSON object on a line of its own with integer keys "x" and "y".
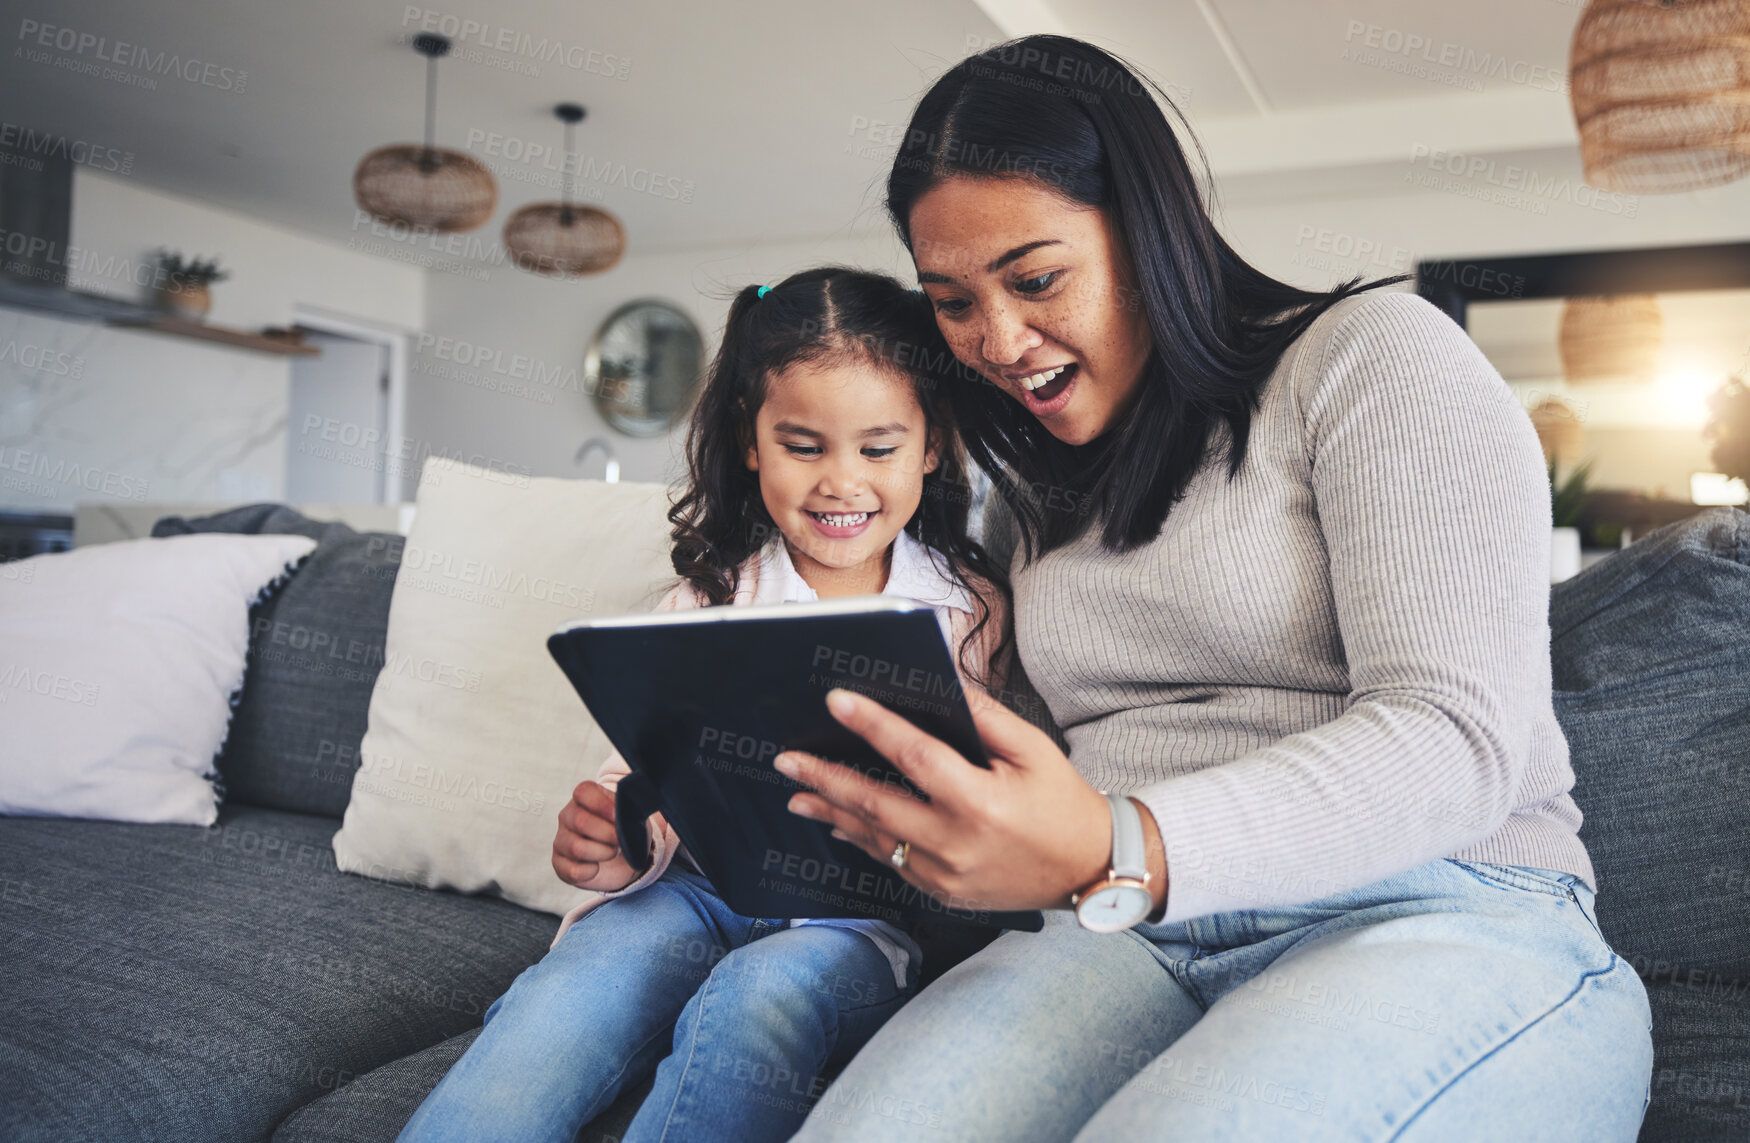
{"x": 1122, "y": 897}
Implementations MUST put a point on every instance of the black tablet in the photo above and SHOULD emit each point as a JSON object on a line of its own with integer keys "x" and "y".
{"x": 699, "y": 702}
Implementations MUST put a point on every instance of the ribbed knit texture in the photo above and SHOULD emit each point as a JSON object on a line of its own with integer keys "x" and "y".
{"x": 1335, "y": 666}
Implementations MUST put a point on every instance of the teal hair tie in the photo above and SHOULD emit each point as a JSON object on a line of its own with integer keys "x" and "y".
{"x": 764, "y": 290}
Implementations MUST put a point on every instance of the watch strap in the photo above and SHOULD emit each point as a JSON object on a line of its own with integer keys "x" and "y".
{"x": 1129, "y": 850}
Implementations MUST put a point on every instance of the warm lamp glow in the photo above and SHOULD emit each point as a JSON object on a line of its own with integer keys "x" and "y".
{"x": 1713, "y": 488}
{"x": 1684, "y": 395}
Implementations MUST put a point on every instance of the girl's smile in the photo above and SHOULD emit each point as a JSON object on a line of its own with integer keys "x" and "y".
{"x": 842, "y": 525}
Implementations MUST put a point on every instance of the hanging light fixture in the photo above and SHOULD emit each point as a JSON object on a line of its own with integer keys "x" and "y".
{"x": 561, "y": 239}
{"x": 1661, "y": 93}
{"x": 1611, "y": 338}
{"x": 425, "y": 186}
{"x": 1559, "y": 431}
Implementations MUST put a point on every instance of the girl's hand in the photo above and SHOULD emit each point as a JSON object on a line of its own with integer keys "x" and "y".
{"x": 1024, "y": 834}
{"x": 586, "y": 852}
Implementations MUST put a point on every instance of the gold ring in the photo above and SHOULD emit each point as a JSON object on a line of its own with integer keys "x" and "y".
{"x": 899, "y": 854}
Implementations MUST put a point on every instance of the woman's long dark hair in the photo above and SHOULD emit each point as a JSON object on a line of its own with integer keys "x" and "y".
{"x": 820, "y": 316}
{"x": 1082, "y": 123}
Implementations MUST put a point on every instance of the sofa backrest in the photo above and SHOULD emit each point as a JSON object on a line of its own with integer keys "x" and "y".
{"x": 315, "y": 648}
{"x": 1651, "y": 662}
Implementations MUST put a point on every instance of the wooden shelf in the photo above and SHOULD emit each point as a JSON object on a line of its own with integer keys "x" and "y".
{"x": 288, "y": 345}
{"x": 77, "y": 305}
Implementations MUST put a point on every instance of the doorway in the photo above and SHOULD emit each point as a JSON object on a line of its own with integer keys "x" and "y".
{"x": 344, "y": 415}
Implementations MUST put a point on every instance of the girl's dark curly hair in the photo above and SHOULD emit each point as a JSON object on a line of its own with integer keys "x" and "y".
{"x": 821, "y": 316}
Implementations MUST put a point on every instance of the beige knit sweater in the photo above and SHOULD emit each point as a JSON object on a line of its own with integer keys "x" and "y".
{"x": 1335, "y": 666}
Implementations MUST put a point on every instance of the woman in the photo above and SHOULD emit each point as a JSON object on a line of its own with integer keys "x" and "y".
{"x": 1282, "y": 582}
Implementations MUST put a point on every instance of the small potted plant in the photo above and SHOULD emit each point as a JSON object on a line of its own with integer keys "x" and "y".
{"x": 1567, "y": 503}
{"x": 184, "y": 286}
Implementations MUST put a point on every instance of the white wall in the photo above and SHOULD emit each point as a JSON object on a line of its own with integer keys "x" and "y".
{"x": 273, "y": 270}
{"x": 88, "y": 412}
{"x": 498, "y": 370}
{"x": 476, "y": 393}
{"x": 499, "y": 377}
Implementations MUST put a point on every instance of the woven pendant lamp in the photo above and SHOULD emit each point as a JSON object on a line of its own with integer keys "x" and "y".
{"x": 561, "y": 239}
{"x": 425, "y": 186}
{"x": 1559, "y": 431}
{"x": 1611, "y": 338}
{"x": 1661, "y": 93}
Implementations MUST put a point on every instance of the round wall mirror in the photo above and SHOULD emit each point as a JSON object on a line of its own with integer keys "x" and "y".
{"x": 644, "y": 363}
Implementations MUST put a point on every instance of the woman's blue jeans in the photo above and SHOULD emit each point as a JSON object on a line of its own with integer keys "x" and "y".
{"x": 737, "y": 1016}
{"x": 1456, "y": 1002}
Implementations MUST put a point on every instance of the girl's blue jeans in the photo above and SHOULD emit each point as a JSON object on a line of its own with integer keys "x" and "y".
{"x": 1454, "y": 1003}
{"x": 736, "y": 1015}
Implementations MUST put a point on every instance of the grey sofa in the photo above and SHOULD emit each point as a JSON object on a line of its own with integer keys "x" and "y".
{"x": 229, "y": 983}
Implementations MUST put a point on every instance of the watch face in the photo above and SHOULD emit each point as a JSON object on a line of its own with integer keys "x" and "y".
{"x": 1115, "y": 907}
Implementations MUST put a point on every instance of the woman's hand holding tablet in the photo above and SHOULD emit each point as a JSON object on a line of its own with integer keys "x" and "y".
{"x": 997, "y": 836}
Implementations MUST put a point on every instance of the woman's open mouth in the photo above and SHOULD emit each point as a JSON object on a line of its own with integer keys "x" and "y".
{"x": 841, "y": 525}
{"x": 1047, "y": 392}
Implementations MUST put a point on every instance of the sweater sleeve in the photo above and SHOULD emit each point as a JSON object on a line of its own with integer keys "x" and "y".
{"x": 1431, "y": 496}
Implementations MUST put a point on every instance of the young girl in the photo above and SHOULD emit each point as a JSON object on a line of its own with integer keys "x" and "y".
{"x": 822, "y": 463}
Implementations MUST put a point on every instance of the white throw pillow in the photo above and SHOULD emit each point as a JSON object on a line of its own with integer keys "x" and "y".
{"x": 118, "y": 664}
{"x": 476, "y": 739}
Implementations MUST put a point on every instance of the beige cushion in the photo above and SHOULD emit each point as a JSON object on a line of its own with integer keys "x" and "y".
{"x": 476, "y": 739}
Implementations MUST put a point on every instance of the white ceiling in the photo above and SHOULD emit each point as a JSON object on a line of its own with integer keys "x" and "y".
{"x": 776, "y": 111}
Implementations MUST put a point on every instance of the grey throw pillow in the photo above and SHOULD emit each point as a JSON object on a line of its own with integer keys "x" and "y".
{"x": 1651, "y": 657}
{"x": 315, "y": 649}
